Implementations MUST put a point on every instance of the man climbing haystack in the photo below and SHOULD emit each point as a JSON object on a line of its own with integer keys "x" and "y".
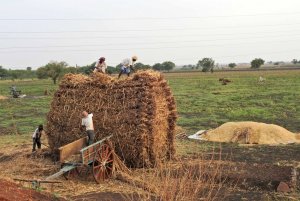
{"x": 87, "y": 122}
{"x": 127, "y": 66}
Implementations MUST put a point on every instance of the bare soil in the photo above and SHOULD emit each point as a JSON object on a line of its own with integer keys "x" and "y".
{"x": 10, "y": 191}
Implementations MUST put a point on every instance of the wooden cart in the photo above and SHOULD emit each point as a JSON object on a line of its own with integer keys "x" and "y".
{"x": 97, "y": 158}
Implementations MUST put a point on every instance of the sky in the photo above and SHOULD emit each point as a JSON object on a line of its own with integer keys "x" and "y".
{"x": 35, "y": 32}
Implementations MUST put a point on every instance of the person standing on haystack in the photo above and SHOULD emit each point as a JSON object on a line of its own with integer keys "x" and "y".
{"x": 36, "y": 137}
{"x": 87, "y": 122}
{"x": 100, "y": 65}
{"x": 127, "y": 66}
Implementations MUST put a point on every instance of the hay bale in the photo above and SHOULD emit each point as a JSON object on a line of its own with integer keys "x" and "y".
{"x": 251, "y": 133}
{"x": 140, "y": 112}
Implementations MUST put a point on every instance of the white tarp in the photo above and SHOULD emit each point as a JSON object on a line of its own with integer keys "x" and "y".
{"x": 198, "y": 135}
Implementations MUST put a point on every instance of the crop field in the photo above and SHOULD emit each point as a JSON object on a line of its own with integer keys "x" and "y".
{"x": 202, "y": 103}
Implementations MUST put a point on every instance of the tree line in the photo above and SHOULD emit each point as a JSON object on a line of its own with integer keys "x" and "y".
{"x": 17, "y": 74}
{"x": 55, "y": 70}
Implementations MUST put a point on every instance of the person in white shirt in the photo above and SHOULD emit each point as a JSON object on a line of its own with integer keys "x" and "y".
{"x": 127, "y": 65}
{"x": 36, "y": 137}
{"x": 87, "y": 122}
{"x": 100, "y": 65}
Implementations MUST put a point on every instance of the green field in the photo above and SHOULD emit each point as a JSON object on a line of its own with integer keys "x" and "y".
{"x": 202, "y": 101}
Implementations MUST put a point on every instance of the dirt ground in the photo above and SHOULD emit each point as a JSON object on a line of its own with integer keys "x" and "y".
{"x": 10, "y": 191}
{"x": 240, "y": 177}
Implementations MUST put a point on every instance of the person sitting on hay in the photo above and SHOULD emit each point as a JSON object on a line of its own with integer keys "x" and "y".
{"x": 36, "y": 137}
{"x": 127, "y": 65}
{"x": 87, "y": 122}
{"x": 100, "y": 65}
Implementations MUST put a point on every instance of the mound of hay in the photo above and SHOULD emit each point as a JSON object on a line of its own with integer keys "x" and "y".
{"x": 251, "y": 133}
{"x": 139, "y": 111}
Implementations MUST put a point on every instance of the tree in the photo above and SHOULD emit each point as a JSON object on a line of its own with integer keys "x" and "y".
{"x": 53, "y": 70}
{"x": 111, "y": 70}
{"x": 17, "y": 74}
{"x": 69, "y": 70}
{"x": 3, "y": 72}
{"x": 140, "y": 66}
{"x": 232, "y": 65}
{"x": 207, "y": 64}
{"x": 256, "y": 63}
{"x": 157, "y": 66}
{"x": 88, "y": 69}
{"x": 168, "y": 65}
{"x": 295, "y": 61}
{"x": 29, "y": 68}
{"x": 41, "y": 73}
{"x": 147, "y": 66}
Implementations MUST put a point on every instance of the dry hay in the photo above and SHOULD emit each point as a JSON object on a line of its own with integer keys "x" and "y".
{"x": 139, "y": 111}
{"x": 251, "y": 133}
{"x": 3, "y": 97}
{"x": 17, "y": 162}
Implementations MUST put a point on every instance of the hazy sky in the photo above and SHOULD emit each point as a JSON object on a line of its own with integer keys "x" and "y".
{"x": 34, "y": 32}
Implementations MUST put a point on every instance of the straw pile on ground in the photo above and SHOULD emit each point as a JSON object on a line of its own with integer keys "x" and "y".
{"x": 251, "y": 133}
{"x": 139, "y": 111}
{"x": 3, "y": 97}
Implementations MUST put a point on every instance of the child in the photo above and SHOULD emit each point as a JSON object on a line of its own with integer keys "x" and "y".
{"x": 36, "y": 137}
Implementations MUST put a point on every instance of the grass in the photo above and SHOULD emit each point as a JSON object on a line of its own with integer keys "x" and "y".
{"x": 202, "y": 101}
{"x": 23, "y": 115}
{"x": 14, "y": 140}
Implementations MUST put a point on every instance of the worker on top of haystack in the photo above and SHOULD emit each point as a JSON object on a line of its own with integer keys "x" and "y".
{"x": 100, "y": 65}
{"x": 127, "y": 65}
{"x": 36, "y": 137}
{"x": 87, "y": 122}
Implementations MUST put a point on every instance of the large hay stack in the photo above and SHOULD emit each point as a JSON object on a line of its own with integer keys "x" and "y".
{"x": 140, "y": 112}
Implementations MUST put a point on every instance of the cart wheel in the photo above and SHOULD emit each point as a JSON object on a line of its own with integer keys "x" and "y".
{"x": 103, "y": 163}
{"x": 83, "y": 171}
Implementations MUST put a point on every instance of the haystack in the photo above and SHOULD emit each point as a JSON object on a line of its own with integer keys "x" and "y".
{"x": 139, "y": 111}
{"x": 251, "y": 133}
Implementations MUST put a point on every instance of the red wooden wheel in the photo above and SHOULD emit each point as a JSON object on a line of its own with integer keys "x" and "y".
{"x": 103, "y": 163}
